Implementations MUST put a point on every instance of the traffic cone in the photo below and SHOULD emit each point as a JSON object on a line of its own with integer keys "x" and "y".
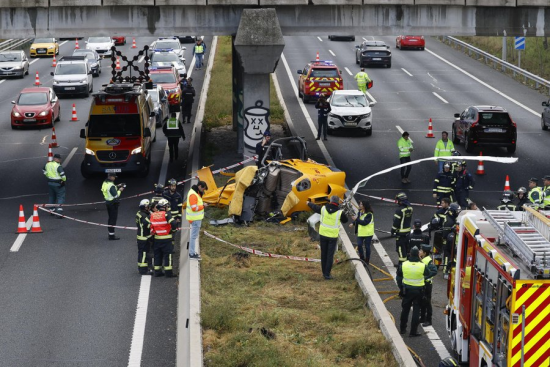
{"x": 21, "y": 227}
{"x": 480, "y": 167}
{"x": 507, "y": 184}
{"x": 317, "y": 58}
{"x": 54, "y": 139}
{"x": 37, "y": 80}
{"x": 117, "y": 63}
{"x": 134, "y": 42}
{"x": 35, "y": 221}
{"x": 430, "y": 130}
{"x": 54, "y": 63}
{"x": 50, "y": 155}
{"x": 74, "y": 118}
{"x": 76, "y": 47}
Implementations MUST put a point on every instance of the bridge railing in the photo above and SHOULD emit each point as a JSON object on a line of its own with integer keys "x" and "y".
{"x": 14, "y": 43}
{"x": 528, "y": 78}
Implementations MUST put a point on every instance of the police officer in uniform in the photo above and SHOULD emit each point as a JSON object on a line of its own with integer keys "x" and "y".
{"x": 331, "y": 217}
{"x": 56, "y": 183}
{"x": 426, "y": 304}
{"x": 173, "y": 130}
{"x": 143, "y": 225}
{"x": 402, "y": 225}
{"x": 111, "y": 193}
{"x": 444, "y": 184}
{"x": 410, "y": 279}
{"x": 506, "y": 201}
{"x": 162, "y": 226}
{"x": 417, "y": 238}
{"x": 323, "y": 109}
{"x": 174, "y": 199}
{"x": 535, "y": 193}
{"x": 364, "y": 229}
{"x": 188, "y": 97}
{"x": 546, "y": 193}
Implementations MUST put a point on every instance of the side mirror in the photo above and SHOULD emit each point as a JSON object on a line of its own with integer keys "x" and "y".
{"x": 83, "y": 133}
{"x": 184, "y": 48}
{"x": 146, "y": 132}
{"x": 51, "y": 73}
{"x": 86, "y": 42}
{"x": 357, "y": 46}
{"x": 89, "y": 72}
{"x": 388, "y": 47}
{"x": 457, "y": 115}
{"x": 299, "y": 71}
{"x": 371, "y": 104}
{"x": 545, "y": 104}
{"x": 12, "y": 102}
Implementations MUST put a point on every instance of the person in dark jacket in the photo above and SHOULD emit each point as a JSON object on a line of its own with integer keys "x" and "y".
{"x": 444, "y": 184}
{"x": 417, "y": 238}
{"x": 426, "y": 303}
{"x": 464, "y": 182}
{"x": 522, "y": 198}
{"x": 331, "y": 217}
{"x": 262, "y": 147}
{"x": 187, "y": 100}
{"x": 402, "y": 226}
{"x": 506, "y": 203}
{"x": 323, "y": 109}
{"x": 173, "y": 130}
{"x": 144, "y": 240}
{"x": 364, "y": 229}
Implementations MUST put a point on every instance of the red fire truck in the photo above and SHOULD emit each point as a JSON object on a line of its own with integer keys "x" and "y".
{"x": 498, "y": 312}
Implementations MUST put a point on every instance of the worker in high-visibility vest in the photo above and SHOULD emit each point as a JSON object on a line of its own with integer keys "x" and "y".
{"x": 364, "y": 229}
{"x": 56, "y": 183}
{"x": 111, "y": 193}
{"x": 426, "y": 304}
{"x": 443, "y": 148}
{"x": 546, "y": 193}
{"x": 362, "y": 79}
{"x": 535, "y": 194}
{"x": 198, "y": 51}
{"x": 410, "y": 279}
{"x": 162, "y": 227}
{"x": 331, "y": 217}
{"x": 405, "y": 146}
{"x": 194, "y": 213}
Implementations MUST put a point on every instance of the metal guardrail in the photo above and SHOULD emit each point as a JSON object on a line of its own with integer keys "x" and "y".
{"x": 506, "y": 67}
{"x": 14, "y": 43}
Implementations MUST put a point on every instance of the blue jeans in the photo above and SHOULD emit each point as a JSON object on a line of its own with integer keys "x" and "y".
{"x": 57, "y": 195}
{"x": 198, "y": 60}
{"x": 364, "y": 241}
{"x": 194, "y": 235}
{"x": 440, "y": 165}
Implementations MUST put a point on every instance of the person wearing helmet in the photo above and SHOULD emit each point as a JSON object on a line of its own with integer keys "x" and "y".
{"x": 464, "y": 182}
{"x": 173, "y": 130}
{"x": 444, "y": 184}
{"x": 175, "y": 199}
{"x": 535, "y": 193}
{"x": 162, "y": 227}
{"x": 416, "y": 238}
{"x": 426, "y": 304}
{"x": 410, "y": 279}
{"x": 194, "y": 213}
{"x": 522, "y": 198}
{"x": 158, "y": 194}
{"x": 143, "y": 225}
{"x": 506, "y": 203}
{"x": 448, "y": 228}
{"x": 455, "y": 163}
{"x": 364, "y": 229}
{"x": 443, "y": 148}
{"x": 402, "y": 226}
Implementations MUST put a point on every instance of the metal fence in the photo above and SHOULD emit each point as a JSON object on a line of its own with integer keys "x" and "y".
{"x": 14, "y": 43}
{"x": 531, "y": 79}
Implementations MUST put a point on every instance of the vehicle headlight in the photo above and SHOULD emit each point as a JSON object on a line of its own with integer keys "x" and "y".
{"x": 16, "y": 114}
{"x": 33, "y": 48}
{"x": 56, "y": 81}
{"x": 94, "y": 65}
{"x": 136, "y": 151}
{"x": 367, "y": 115}
{"x": 90, "y": 152}
{"x": 332, "y": 115}
{"x": 17, "y": 67}
{"x": 43, "y": 113}
{"x": 84, "y": 80}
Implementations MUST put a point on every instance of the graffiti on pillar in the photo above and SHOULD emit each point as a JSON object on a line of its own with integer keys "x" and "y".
{"x": 256, "y": 123}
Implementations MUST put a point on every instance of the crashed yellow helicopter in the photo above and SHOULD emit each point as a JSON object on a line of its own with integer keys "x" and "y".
{"x": 280, "y": 188}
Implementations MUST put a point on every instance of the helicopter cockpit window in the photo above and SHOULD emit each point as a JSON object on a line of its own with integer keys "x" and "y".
{"x": 303, "y": 185}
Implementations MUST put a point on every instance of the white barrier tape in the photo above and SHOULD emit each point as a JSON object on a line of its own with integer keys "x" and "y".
{"x": 261, "y": 253}
{"x": 97, "y": 224}
{"x": 395, "y": 201}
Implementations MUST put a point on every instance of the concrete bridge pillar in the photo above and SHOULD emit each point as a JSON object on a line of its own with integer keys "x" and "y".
{"x": 258, "y": 44}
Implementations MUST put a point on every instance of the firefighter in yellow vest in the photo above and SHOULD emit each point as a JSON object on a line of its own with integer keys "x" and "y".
{"x": 426, "y": 304}
{"x": 194, "y": 213}
{"x": 111, "y": 193}
{"x": 162, "y": 227}
{"x": 143, "y": 225}
{"x": 362, "y": 80}
{"x": 331, "y": 217}
{"x": 411, "y": 277}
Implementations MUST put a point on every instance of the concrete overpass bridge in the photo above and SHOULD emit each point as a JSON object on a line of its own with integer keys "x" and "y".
{"x": 67, "y": 18}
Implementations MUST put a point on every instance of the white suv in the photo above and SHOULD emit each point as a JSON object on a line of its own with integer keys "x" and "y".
{"x": 350, "y": 109}
{"x": 73, "y": 75}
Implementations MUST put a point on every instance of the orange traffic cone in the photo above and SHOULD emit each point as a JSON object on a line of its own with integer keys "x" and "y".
{"x": 507, "y": 184}
{"x": 54, "y": 139}
{"x": 50, "y": 155}
{"x": 74, "y": 118}
{"x": 134, "y": 42}
{"x": 317, "y": 58}
{"x": 37, "y": 80}
{"x": 54, "y": 63}
{"x": 21, "y": 226}
{"x": 76, "y": 47}
{"x": 430, "y": 130}
{"x": 35, "y": 221}
{"x": 117, "y": 63}
{"x": 480, "y": 167}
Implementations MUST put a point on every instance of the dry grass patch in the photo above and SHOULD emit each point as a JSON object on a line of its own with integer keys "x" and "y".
{"x": 273, "y": 312}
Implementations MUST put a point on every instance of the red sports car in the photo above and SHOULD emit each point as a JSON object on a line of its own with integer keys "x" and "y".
{"x": 37, "y": 106}
{"x": 119, "y": 40}
{"x": 414, "y": 42}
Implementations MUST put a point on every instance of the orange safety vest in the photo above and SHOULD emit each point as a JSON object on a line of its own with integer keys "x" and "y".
{"x": 160, "y": 226}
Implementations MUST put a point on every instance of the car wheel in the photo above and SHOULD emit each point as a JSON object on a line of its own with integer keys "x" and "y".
{"x": 389, "y": 65}
{"x": 368, "y": 132}
{"x": 84, "y": 171}
{"x": 58, "y": 117}
{"x": 13, "y": 127}
{"x": 454, "y": 137}
{"x": 330, "y": 132}
{"x": 352, "y": 39}
{"x": 467, "y": 145}
{"x": 356, "y": 59}
{"x": 305, "y": 98}
{"x": 87, "y": 93}
{"x": 145, "y": 171}
{"x": 542, "y": 124}
{"x": 27, "y": 72}
{"x": 511, "y": 149}
{"x": 396, "y": 46}
{"x": 421, "y": 48}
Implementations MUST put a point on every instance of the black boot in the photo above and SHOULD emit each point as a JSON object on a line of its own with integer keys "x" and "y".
{"x": 113, "y": 237}
{"x": 159, "y": 273}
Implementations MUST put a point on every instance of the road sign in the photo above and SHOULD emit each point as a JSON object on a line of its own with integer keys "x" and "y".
{"x": 520, "y": 43}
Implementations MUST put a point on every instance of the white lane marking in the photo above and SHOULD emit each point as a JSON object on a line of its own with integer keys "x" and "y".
{"x": 62, "y": 43}
{"x": 71, "y": 154}
{"x": 401, "y": 131}
{"x": 365, "y": 39}
{"x": 332, "y": 53}
{"x": 346, "y": 69}
{"x": 138, "y": 336}
{"x": 21, "y": 237}
{"x": 441, "y": 98}
{"x": 372, "y": 98}
{"x": 409, "y": 74}
{"x": 164, "y": 167}
{"x": 2, "y": 81}
{"x": 33, "y": 61}
{"x": 319, "y": 38}
{"x": 322, "y": 146}
{"x": 485, "y": 84}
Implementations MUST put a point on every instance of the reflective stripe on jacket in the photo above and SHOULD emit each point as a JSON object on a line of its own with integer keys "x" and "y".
{"x": 172, "y": 123}
{"x": 362, "y": 78}
{"x": 413, "y": 273}
{"x": 546, "y": 196}
{"x": 160, "y": 225}
{"x": 368, "y": 230}
{"x": 196, "y": 211}
{"x": 427, "y": 260}
{"x": 404, "y": 146}
{"x": 402, "y": 220}
{"x": 143, "y": 225}
{"x": 199, "y": 49}
{"x": 106, "y": 189}
{"x": 444, "y": 150}
{"x": 329, "y": 223}
{"x": 535, "y": 195}
{"x": 51, "y": 170}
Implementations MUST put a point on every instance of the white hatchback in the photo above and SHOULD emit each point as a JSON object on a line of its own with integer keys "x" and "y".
{"x": 101, "y": 45}
{"x": 350, "y": 109}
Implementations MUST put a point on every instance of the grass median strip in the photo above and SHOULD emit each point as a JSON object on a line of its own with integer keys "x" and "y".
{"x": 260, "y": 311}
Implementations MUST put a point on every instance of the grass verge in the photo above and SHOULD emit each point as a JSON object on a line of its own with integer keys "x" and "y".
{"x": 260, "y": 311}
{"x": 218, "y": 109}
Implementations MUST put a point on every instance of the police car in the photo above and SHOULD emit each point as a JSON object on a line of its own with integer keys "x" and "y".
{"x": 170, "y": 43}
{"x": 167, "y": 57}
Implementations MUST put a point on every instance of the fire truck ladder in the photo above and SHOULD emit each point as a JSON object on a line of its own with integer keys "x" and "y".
{"x": 525, "y": 241}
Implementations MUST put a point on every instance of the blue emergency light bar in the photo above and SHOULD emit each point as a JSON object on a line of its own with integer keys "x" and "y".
{"x": 161, "y": 68}
{"x": 163, "y": 49}
{"x": 323, "y": 62}
{"x": 168, "y": 38}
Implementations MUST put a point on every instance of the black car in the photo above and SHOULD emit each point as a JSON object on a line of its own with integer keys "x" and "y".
{"x": 545, "y": 116}
{"x": 187, "y": 39}
{"x": 373, "y": 53}
{"x": 93, "y": 58}
{"x": 335, "y": 37}
{"x": 485, "y": 126}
